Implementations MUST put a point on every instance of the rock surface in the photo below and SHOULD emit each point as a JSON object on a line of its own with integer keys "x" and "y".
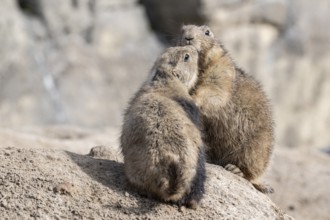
{"x": 72, "y": 62}
{"x": 300, "y": 177}
{"x": 51, "y": 184}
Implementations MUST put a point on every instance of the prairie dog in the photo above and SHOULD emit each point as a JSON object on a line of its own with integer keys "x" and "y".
{"x": 161, "y": 135}
{"x": 235, "y": 110}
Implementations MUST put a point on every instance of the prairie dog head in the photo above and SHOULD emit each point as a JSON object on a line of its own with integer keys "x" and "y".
{"x": 201, "y": 37}
{"x": 177, "y": 62}
{"x": 212, "y": 56}
{"x": 209, "y": 49}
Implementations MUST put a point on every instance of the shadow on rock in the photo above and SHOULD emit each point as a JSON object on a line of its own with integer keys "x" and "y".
{"x": 110, "y": 173}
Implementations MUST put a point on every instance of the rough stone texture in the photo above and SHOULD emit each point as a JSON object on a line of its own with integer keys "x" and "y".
{"x": 54, "y": 184}
{"x": 300, "y": 177}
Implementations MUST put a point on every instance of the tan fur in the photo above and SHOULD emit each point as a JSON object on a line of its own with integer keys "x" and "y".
{"x": 161, "y": 137}
{"x": 235, "y": 110}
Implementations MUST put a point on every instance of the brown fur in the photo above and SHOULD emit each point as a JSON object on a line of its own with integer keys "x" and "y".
{"x": 161, "y": 137}
{"x": 235, "y": 110}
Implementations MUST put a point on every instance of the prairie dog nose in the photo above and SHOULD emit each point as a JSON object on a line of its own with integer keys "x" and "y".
{"x": 188, "y": 39}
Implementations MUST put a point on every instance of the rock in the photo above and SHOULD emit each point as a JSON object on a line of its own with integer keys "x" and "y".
{"x": 90, "y": 48}
{"x": 326, "y": 150}
{"x": 101, "y": 152}
{"x": 298, "y": 176}
{"x": 65, "y": 188}
{"x": 70, "y": 138}
{"x": 300, "y": 179}
{"x": 67, "y": 19}
{"x": 273, "y": 12}
{"x": 167, "y": 17}
{"x": 85, "y": 187}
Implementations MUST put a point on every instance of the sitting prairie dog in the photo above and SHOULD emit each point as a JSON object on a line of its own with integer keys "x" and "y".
{"x": 235, "y": 110}
{"x": 161, "y": 135}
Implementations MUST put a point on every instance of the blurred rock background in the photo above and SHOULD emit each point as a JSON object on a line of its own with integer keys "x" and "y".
{"x": 75, "y": 64}
{"x": 79, "y": 61}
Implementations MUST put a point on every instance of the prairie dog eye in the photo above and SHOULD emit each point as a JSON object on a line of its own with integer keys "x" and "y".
{"x": 207, "y": 32}
{"x": 186, "y": 57}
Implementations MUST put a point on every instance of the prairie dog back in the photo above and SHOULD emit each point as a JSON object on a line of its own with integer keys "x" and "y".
{"x": 161, "y": 134}
{"x": 236, "y": 112}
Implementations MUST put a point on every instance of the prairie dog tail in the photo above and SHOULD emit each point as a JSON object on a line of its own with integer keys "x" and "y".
{"x": 197, "y": 187}
{"x": 173, "y": 178}
{"x": 178, "y": 184}
{"x": 185, "y": 184}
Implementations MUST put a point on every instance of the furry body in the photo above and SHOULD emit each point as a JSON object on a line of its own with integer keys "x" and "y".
{"x": 161, "y": 136}
{"x": 235, "y": 110}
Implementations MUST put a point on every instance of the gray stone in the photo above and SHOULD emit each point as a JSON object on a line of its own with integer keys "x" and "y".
{"x": 97, "y": 188}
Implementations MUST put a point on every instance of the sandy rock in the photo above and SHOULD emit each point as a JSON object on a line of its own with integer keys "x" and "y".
{"x": 103, "y": 152}
{"x": 69, "y": 138}
{"x": 41, "y": 183}
{"x": 298, "y": 176}
{"x": 300, "y": 179}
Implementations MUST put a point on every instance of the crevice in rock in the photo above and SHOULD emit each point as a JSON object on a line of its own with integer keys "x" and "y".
{"x": 75, "y": 3}
{"x": 31, "y": 7}
{"x": 167, "y": 17}
{"x": 91, "y": 6}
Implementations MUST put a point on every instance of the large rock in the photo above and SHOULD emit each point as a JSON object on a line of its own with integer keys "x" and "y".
{"x": 300, "y": 178}
{"x": 72, "y": 62}
{"x": 50, "y": 184}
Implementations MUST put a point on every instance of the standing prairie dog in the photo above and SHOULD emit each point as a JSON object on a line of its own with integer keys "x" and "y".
{"x": 235, "y": 110}
{"x": 161, "y": 135}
